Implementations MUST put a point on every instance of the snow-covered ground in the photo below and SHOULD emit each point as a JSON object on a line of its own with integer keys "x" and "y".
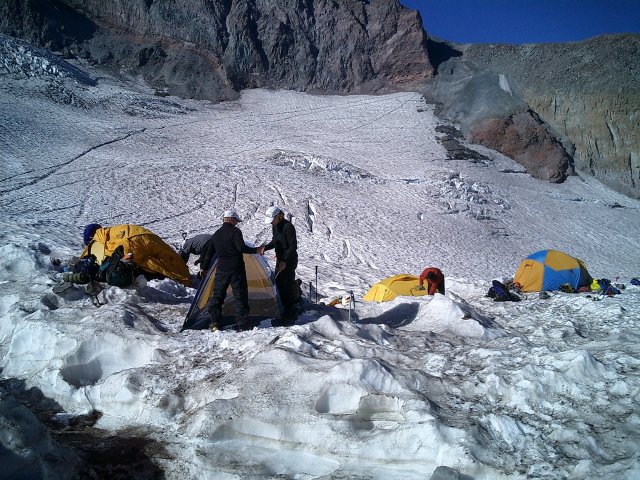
{"x": 415, "y": 388}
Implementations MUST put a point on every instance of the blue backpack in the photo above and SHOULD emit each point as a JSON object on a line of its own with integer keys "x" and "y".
{"x": 500, "y": 293}
{"x": 606, "y": 287}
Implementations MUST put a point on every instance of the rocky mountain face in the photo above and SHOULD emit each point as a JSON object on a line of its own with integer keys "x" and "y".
{"x": 212, "y": 49}
{"x": 586, "y": 93}
{"x": 554, "y": 108}
{"x": 488, "y": 112}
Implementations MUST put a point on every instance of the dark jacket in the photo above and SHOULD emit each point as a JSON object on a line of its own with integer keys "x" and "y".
{"x": 194, "y": 245}
{"x": 227, "y": 243}
{"x": 284, "y": 241}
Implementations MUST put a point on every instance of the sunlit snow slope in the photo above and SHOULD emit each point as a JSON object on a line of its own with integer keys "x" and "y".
{"x": 456, "y": 383}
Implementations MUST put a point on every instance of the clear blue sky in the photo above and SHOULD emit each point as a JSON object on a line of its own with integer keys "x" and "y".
{"x": 525, "y": 21}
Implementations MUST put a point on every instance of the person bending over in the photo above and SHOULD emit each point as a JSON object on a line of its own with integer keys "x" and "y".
{"x": 435, "y": 280}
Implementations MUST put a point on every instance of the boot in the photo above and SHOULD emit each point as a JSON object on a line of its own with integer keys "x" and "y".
{"x": 243, "y": 324}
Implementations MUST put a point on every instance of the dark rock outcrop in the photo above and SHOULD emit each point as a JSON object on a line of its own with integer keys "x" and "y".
{"x": 451, "y": 141}
{"x": 211, "y": 50}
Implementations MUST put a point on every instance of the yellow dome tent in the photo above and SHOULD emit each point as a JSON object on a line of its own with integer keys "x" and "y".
{"x": 389, "y": 288}
{"x": 150, "y": 253}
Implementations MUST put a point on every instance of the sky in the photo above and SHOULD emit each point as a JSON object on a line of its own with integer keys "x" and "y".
{"x": 526, "y": 21}
{"x": 454, "y": 384}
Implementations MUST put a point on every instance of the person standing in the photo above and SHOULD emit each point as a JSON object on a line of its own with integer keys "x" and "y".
{"x": 434, "y": 279}
{"x": 227, "y": 243}
{"x": 285, "y": 243}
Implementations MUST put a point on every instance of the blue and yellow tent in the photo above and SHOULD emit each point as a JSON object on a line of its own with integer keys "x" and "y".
{"x": 549, "y": 269}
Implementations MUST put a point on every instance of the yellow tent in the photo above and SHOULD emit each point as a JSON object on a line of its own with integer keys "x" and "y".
{"x": 389, "y": 288}
{"x": 150, "y": 253}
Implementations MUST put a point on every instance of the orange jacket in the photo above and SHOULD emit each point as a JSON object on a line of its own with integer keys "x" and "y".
{"x": 432, "y": 287}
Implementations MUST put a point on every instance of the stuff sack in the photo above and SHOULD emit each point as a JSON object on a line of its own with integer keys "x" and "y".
{"x": 116, "y": 271}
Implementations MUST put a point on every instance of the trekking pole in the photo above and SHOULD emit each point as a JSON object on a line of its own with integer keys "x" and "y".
{"x": 351, "y": 305}
{"x": 316, "y": 284}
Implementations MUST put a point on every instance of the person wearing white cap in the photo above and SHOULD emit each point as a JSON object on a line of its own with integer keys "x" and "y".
{"x": 286, "y": 245}
{"x": 227, "y": 243}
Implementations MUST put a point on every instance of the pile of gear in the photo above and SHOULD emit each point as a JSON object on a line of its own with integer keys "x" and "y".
{"x": 108, "y": 258}
{"x": 116, "y": 269}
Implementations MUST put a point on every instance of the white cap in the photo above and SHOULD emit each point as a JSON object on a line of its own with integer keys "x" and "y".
{"x": 270, "y": 214}
{"x": 231, "y": 213}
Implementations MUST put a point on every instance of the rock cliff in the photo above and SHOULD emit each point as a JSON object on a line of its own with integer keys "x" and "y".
{"x": 587, "y": 92}
{"x": 488, "y": 112}
{"x": 210, "y": 50}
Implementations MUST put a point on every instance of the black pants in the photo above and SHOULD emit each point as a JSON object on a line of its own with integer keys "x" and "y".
{"x": 238, "y": 282}
{"x": 288, "y": 290}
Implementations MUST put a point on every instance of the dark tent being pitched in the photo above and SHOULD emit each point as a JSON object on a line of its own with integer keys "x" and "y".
{"x": 264, "y": 301}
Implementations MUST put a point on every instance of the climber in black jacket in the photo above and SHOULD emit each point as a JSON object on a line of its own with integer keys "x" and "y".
{"x": 227, "y": 243}
{"x": 286, "y": 245}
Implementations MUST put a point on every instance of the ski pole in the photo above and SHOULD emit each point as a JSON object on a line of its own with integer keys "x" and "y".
{"x": 351, "y": 305}
{"x": 316, "y": 284}
{"x": 310, "y": 290}
{"x": 352, "y": 302}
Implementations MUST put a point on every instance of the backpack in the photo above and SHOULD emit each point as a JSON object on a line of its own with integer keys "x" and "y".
{"x": 500, "y": 293}
{"x": 87, "y": 265}
{"x": 115, "y": 271}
